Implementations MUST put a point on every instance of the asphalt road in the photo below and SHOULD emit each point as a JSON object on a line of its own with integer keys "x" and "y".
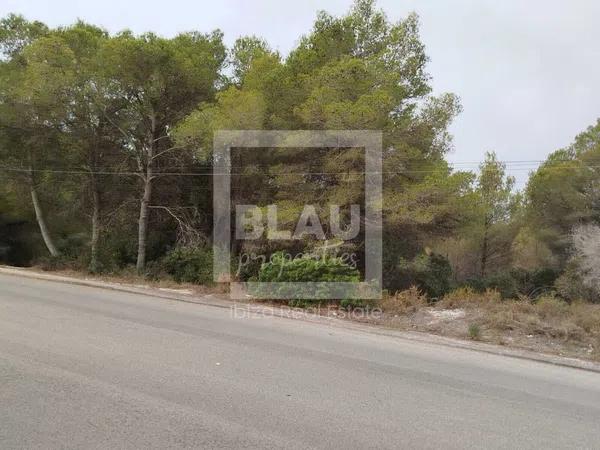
{"x": 85, "y": 367}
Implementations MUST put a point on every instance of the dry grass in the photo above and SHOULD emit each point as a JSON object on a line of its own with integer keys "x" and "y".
{"x": 548, "y": 316}
{"x": 545, "y": 324}
{"x": 465, "y": 297}
{"x": 404, "y": 302}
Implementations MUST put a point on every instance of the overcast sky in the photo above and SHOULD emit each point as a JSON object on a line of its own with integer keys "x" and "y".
{"x": 527, "y": 72}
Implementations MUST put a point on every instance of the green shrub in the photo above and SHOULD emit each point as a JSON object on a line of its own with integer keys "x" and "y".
{"x": 548, "y": 307}
{"x": 534, "y": 283}
{"x": 474, "y": 331}
{"x": 504, "y": 283}
{"x": 19, "y": 240}
{"x": 155, "y": 270}
{"x": 188, "y": 264}
{"x": 396, "y": 250}
{"x": 516, "y": 282}
{"x": 571, "y": 286}
{"x": 305, "y": 269}
{"x": 542, "y": 281}
{"x": 475, "y": 284}
{"x": 246, "y": 269}
{"x": 52, "y": 263}
{"x": 432, "y": 273}
{"x": 74, "y": 251}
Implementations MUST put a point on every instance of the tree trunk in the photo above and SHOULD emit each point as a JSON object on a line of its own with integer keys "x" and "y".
{"x": 147, "y": 197}
{"x": 143, "y": 220}
{"x": 484, "y": 251}
{"x": 39, "y": 215}
{"x": 95, "y": 225}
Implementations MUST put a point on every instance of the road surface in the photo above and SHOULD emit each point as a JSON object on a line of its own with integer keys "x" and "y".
{"x": 85, "y": 367}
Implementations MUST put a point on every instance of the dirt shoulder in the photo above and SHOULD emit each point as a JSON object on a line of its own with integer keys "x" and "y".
{"x": 544, "y": 325}
{"x": 444, "y": 323}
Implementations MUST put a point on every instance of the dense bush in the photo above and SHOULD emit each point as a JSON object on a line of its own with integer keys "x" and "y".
{"x": 535, "y": 282}
{"x": 52, "y": 263}
{"x": 395, "y": 253}
{"x": 570, "y": 285}
{"x": 305, "y": 269}
{"x": 189, "y": 264}
{"x": 246, "y": 268}
{"x": 117, "y": 251}
{"x": 431, "y": 273}
{"x": 19, "y": 241}
{"x": 503, "y": 282}
{"x": 511, "y": 284}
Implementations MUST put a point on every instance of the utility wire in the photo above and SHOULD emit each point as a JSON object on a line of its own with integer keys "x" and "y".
{"x": 212, "y": 174}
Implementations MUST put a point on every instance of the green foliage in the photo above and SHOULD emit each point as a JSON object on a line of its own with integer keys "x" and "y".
{"x": 245, "y": 52}
{"x": 570, "y": 285}
{"x": 281, "y": 269}
{"x": 189, "y": 265}
{"x": 16, "y": 33}
{"x": 474, "y": 331}
{"x": 81, "y": 110}
{"x": 18, "y": 242}
{"x": 53, "y": 263}
{"x": 19, "y": 238}
{"x": 431, "y": 272}
{"x": 495, "y": 189}
{"x": 517, "y": 282}
{"x": 493, "y": 207}
{"x": 504, "y": 283}
{"x": 563, "y": 192}
{"x": 530, "y": 251}
{"x": 440, "y": 201}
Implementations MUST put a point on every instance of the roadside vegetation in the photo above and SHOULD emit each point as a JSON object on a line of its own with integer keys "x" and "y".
{"x": 546, "y": 324}
{"x": 106, "y": 169}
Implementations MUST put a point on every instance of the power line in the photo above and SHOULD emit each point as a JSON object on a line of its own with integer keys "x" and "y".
{"x": 212, "y": 174}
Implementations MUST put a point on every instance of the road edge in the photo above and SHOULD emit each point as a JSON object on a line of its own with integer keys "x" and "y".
{"x": 280, "y": 312}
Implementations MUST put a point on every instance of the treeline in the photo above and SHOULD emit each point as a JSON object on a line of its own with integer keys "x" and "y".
{"x": 106, "y": 141}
